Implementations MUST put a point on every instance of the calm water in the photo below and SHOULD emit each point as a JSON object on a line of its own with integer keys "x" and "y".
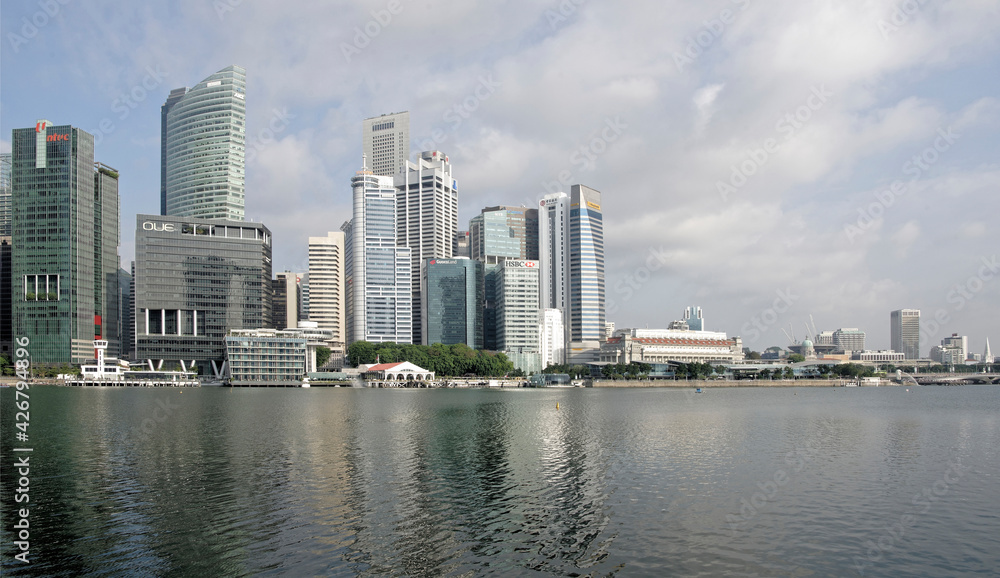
{"x": 746, "y": 482}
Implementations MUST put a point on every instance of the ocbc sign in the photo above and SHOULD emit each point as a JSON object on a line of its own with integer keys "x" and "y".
{"x": 151, "y": 226}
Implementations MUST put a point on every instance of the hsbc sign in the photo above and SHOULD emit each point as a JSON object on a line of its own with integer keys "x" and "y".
{"x": 521, "y": 264}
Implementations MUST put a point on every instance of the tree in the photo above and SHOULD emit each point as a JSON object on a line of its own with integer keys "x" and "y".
{"x": 361, "y": 352}
{"x": 322, "y": 356}
{"x": 753, "y": 355}
{"x": 796, "y": 358}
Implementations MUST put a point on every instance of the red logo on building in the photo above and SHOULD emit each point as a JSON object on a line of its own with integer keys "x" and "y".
{"x": 39, "y": 126}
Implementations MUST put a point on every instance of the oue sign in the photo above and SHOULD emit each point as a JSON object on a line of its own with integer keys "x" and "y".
{"x": 165, "y": 227}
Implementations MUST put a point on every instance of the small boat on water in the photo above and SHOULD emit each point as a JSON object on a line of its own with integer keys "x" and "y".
{"x": 698, "y": 390}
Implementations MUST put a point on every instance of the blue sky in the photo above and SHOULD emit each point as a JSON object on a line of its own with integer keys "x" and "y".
{"x": 756, "y": 159}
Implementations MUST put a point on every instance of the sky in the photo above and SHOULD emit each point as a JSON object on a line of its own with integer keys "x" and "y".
{"x": 782, "y": 164}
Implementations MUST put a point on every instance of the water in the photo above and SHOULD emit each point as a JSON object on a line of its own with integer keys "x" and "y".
{"x": 643, "y": 482}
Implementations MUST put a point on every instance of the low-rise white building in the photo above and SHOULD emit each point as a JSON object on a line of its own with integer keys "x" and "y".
{"x": 665, "y": 345}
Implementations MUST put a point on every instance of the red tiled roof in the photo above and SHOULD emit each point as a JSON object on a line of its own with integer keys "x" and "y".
{"x": 383, "y": 366}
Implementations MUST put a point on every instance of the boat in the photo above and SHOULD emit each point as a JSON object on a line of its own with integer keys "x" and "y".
{"x": 698, "y": 390}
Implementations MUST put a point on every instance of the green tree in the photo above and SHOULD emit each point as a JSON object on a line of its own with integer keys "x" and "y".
{"x": 753, "y": 355}
{"x": 796, "y": 358}
{"x": 322, "y": 356}
{"x": 361, "y": 352}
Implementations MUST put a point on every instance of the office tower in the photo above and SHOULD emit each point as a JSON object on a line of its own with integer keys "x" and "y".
{"x": 500, "y": 234}
{"x": 552, "y": 333}
{"x": 609, "y": 330}
{"x": 6, "y": 320}
{"x": 517, "y": 314}
{"x": 327, "y": 301}
{"x": 106, "y": 262}
{"x": 202, "y": 165}
{"x": 460, "y": 246}
{"x": 385, "y": 141}
{"x": 65, "y": 235}
{"x": 426, "y": 217}
{"x": 379, "y": 286}
{"x": 452, "y": 306}
{"x": 126, "y": 315}
{"x": 553, "y": 251}
{"x": 849, "y": 339}
{"x": 285, "y": 300}
{"x": 904, "y": 331}
{"x": 196, "y": 279}
{"x": 694, "y": 319}
{"x": 959, "y": 343}
{"x": 304, "y": 304}
{"x": 586, "y": 265}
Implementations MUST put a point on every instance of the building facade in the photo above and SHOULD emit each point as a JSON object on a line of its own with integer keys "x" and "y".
{"x": 325, "y": 288}
{"x": 379, "y": 304}
{"x": 586, "y": 265}
{"x": 385, "y": 141}
{"x": 195, "y": 280}
{"x": 286, "y": 300}
{"x": 266, "y": 357}
{"x": 552, "y": 346}
{"x": 426, "y": 217}
{"x": 516, "y": 294}
{"x": 452, "y": 302}
{"x": 694, "y": 319}
{"x": 666, "y": 345}
{"x": 460, "y": 246}
{"x": 849, "y": 339}
{"x": 6, "y": 210}
{"x": 904, "y": 332}
{"x": 204, "y": 138}
{"x": 64, "y": 241}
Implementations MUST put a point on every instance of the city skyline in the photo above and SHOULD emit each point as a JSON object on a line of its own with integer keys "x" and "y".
{"x": 808, "y": 224}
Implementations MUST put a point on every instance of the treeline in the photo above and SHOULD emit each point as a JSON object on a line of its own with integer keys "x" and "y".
{"x": 456, "y": 360}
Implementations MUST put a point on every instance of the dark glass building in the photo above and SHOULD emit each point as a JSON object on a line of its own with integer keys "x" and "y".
{"x": 65, "y": 241}
{"x": 196, "y": 279}
{"x": 452, "y": 303}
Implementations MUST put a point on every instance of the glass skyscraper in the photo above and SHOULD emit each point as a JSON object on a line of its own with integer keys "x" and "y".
{"x": 196, "y": 279}
{"x": 379, "y": 289}
{"x": 65, "y": 239}
{"x": 204, "y": 148}
{"x": 586, "y": 265}
{"x": 452, "y": 305}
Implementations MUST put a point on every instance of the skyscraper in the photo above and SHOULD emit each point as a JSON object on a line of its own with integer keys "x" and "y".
{"x": 65, "y": 235}
{"x": 426, "y": 217}
{"x": 849, "y": 339}
{"x": 287, "y": 295}
{"x": 327, "y": 302}
{"x": 5, "y": 192}
{"x": 452, "y": 306}
{"x": 460, "y": 246}
{"x": 552, "y": 337}
{"x": 518, "y": 333}
{"x": 694, "y": 319}
{"x": 586, "y": 265}
{"x": 553, "y": 252}
{"x": 385, "y": 141}
{"x": 6, "y": 321}
{"x": 904, "y": 330}
{"x": 204, "y": 140}
{"x": 379, "y": 287}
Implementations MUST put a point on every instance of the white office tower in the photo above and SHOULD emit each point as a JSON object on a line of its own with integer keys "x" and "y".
{"x": 551, "y": 335}
{"x": 385, "y": 141}
{"x": 379, "y": 301}
{"x": 904, "y": 332}
{"x": 327, "y": 302}
{"x": 517, "y": 319}
{"x": 426, "y": 217}
{"x": 553, "y": 253}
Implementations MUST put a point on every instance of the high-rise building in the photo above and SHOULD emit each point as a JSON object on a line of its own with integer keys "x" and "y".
{"x": 385, "y": 141}
{"x": 496, "y": 235}
{"x": 379, "y": 286}
{"x": 287, "y": 295}
{"x": 126, "y": 314}
{"x": 694, "y": 319}
{"x": 327, "y": 301}
{"x": 204, "y": 148}
{"x": 460, "y": 246}
{"x": 6, "y": 320}
{"x": 426, "y": 217}
{"x": 452, "y": 305}
{"x": 517, "y": 314}
{"x": 586, "y": 265}
{"x": 65, "y": 240}
{"x": 304, "y": 307}
{"x": 5, "y": 195}
{"x": 849, "y": 339}
{"x": 958, "y": 342}
{"x": 553, "y": 252}
{"x": 195, "y": 280}
{"x": 904, "y": 331}
{"x": 552, "y": 334}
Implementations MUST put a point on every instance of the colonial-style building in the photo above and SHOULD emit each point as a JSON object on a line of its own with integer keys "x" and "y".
{"x": 664, "y": 345}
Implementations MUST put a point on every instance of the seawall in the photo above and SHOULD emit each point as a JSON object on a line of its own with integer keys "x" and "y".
{"x": 724, "y": 383}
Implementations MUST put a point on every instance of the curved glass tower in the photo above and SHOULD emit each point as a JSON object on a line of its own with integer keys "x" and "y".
{"x": 204, "y": 148}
